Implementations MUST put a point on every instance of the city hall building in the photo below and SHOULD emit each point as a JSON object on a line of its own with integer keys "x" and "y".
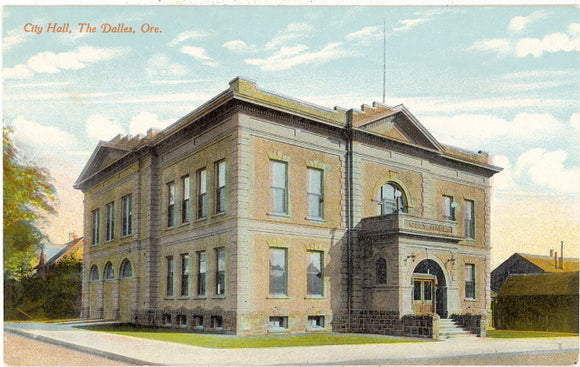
{"x": 257, "y": 213}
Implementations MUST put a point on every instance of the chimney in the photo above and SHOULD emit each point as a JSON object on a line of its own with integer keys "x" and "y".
{"x": 551, "y": 252}
{"x": 555, "y": 259}
{"x": 562, "y": 255}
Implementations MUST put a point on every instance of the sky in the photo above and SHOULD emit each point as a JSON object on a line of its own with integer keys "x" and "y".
{"x": 503, "y": 79}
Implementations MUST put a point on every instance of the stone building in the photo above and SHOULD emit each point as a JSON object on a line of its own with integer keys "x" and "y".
{"x": 258, "y": 213}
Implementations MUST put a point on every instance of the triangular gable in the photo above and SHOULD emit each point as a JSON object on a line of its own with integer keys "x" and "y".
{"x": 103, "y": 155}
{"x": 395, "y": 123}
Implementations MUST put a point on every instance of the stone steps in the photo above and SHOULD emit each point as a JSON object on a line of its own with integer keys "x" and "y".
{"x": 448, "y": 329}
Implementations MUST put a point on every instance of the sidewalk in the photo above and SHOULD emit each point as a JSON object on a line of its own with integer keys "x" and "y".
{"x": 150, "y": 352}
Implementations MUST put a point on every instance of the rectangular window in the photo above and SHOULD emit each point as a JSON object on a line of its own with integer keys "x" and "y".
{"x": 170, "y": 203}
{"x": 110, "y": 228}
{"x": 96, "y": 228}
{"x": 201, "y": 272}
{"x": 279, "y": 186}
{"x": 127, "y": 215}
{"x": 201, "y": 193}
{"x": 169, "y": 280}
{"x": 278, "y": 272}
{"x": 449, "y": 213}
{"x": 316, "y": 322}
{"x": 185, "y": 187}
{"x": 314, "y": 274}
{"x": 469, "y": 219}
{"x": 470, "y": 281}
{"x": 185, "y": 265}
{"x": 182, "y": 320}
{"x": 220, "y": 187}
{"x": 278, "y": 322}
{"x": 315, "y": 193}
{"x": 220, "y": 281}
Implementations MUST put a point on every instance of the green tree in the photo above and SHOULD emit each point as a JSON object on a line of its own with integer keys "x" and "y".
{"x": 28, "y": 197}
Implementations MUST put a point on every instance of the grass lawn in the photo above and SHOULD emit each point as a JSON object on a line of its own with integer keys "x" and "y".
{"x": 231, "y": 341}
{"x": 513, "y": 334}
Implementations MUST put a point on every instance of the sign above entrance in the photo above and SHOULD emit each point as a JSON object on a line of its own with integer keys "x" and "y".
{"x": 402, "y": 223}
{"x": 429, "y": 227}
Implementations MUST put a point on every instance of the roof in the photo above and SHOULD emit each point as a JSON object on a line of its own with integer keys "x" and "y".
{"x": 411, "y": 132}
{"x": 70, "y": 248}
{"x": 547, "y": 284}
{"x": 546, "y": 263}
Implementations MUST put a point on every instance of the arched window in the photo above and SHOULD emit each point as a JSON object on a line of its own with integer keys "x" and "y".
{"x": 94, "y": 274}
{"x": 126, "y": 269}
{"x": 392, "y": 199}
{"x": 109, "y": 273}
{"x": 381, "y": 271}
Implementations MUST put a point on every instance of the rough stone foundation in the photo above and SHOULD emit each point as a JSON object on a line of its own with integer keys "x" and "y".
{"x": 475, "y": 324}
{"x": 385, "y": 323}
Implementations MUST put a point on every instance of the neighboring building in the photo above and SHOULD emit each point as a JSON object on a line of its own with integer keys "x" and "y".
{"x": 543, "y": 302}
{"x": 72, "y": 249}
{"x": 257, "y": 213}
{"x": 520, "y": 263}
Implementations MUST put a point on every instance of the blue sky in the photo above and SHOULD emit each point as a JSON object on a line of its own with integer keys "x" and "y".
{"x": 501, "y": 79}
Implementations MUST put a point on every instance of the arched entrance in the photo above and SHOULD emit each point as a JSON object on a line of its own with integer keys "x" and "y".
{"x": 429, "y": 289}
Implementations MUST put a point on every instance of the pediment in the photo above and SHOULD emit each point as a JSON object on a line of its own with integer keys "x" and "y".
{"x": 396, "y": 123}
{"x": 103, "y": 156}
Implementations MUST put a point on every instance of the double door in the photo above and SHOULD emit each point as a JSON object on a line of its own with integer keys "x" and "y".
{"x": 424, "y": 294}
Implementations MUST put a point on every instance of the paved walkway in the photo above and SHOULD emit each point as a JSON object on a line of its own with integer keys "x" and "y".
{"x": 151, "y": 352}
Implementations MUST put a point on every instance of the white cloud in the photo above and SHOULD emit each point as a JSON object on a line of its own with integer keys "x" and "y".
{"x": 49, "y": 62}
{"x": 575, "y": 121}
{"x": 188, "y": 35}
{"x": 239, "y": 46}
{"x": 101, "y": 128}
{"x": 546, "y": 169}
{"x": 291, "y": 32}
{"x": 424, "y": 17}
{"x": 480, "y": 130}
{"x": 39, "y": 136}
{"x": 288, "y": 57}
{"x": 365, "y": 34}
{"x": 200, "y": 54}
{"x": 161, "y": 66}
{"x": 14, "y": 38}
{"x": 503, "y": 180}
{"x": 555, "y": 42}
{"x": 428, "y": 105}
{"x": 144, "y": 121}
{"x": 519, "y": 23}
{"x": 408, "y": 24}
{"x": 19, "y": 71}
{"x": 498, "y": 45}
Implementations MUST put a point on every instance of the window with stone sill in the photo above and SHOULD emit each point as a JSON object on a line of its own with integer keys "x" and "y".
{"x": 278, "y": 322}
{"x": 126, "y": 269}
{"x": 381, "y": 271}
{"x": 316, "y": 322}
{"x": 170, "y": 204}
{"x": 392, "y": 199}
{"x": 449, "y": 208}
{"x": 278, "y": 272}
{"x": 96, "y": 227}
{"x": 469, "y": 219}
{"x": 110, "y": 223}
{"x": 279, "y": 175}
{"x": 109, "y": 272}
